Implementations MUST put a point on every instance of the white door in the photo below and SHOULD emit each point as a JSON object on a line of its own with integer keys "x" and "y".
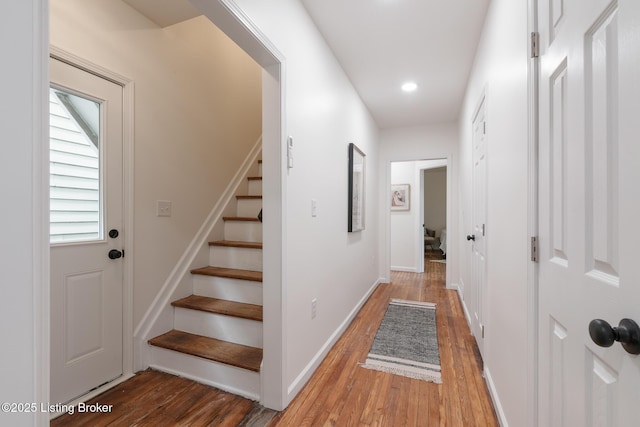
{"x": 589, "y": 204}
{"x": 479, "y": 217}
{"x": 86, "y": 206}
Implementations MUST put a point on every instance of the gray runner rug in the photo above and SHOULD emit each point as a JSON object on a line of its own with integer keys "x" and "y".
{"x": 407, "y": 342}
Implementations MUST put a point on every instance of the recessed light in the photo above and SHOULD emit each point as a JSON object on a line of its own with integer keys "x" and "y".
{"x": 409, "y": 87}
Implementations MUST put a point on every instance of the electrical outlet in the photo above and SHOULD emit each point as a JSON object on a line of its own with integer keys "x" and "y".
{"x": 163, "y": 208}
{"x": 314, "y": 208}
{"x": 314, "y": 305}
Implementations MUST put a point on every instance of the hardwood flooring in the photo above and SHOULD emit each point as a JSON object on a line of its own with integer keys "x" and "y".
{"x": 340, "y": 393}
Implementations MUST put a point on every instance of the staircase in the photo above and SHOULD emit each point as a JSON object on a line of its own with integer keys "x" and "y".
{"x": 217, "y": 335}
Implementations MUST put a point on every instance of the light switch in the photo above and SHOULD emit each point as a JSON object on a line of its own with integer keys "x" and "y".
{"x": 163, "y": 208}
{"x": 314, "y": 207}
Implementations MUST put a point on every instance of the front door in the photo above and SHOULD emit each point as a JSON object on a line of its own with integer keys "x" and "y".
{"x": 479, "y": 217}
{"x": 86, "y": 231}
{"x": 589, "y": 209}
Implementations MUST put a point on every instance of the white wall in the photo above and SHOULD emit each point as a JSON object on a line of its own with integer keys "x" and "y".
{"x": 322, "y": 260}
{"x": 23, "y": 255}
{"x": 501, "y": 70}
{"x": 437, "y": 141}
{"x": 403, "y": 223}
{"x": 197, "y": 114}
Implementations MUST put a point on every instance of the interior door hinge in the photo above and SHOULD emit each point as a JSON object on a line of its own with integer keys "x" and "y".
{"x": 534, "y": 249}
{"x": 482, "y": 327}
{"x": 535, "y": 44}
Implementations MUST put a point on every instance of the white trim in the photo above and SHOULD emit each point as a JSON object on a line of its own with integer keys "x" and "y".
{"x": 464, "y": 307}
{"x": 502, "y": 418}
{"x": 407, "y": 269}
{"x": 307, "y": 372}
{"x": 40, "y": 214}
{"x": 532, "y": 225}
{"x": 182, "y": 269}
{"x": 128, "y": 132}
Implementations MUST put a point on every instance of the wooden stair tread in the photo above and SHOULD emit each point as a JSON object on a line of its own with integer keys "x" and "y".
{"x": 236, "y": 244}
{"x": 254, "y": 178}
{"x": 241, "y": 218}
{"x": 237, "y": 355}
{"x": 220, "y": 306}
{"x": 249, "y": 197}
{"x": 231, "y": 273}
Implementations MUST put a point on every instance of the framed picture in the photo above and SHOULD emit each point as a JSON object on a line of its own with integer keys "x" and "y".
{"x": 356, "y": 188}
{"x": 400, "y": 197}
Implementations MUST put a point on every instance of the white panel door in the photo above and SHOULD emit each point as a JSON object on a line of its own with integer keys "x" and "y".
{"x": 479, "y": 217}
{"x": 589, "y": 204}
{"x": 86, "y": 205}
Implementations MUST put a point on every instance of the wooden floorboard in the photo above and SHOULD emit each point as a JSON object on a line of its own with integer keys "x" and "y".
{"x": 340, "y": 393}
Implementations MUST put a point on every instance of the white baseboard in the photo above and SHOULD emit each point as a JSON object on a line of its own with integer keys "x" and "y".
{"x": 407, "y": 269}
{"x": 308, "y": 371}
{"x": 502, "y": 419}
{"x": 464, "y": 307}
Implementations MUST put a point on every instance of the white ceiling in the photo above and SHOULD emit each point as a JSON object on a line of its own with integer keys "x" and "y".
{"x": 383, "y": 43}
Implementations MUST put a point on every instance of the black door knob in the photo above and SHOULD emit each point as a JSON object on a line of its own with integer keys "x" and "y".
{"x": 471, "y": 237}
{"x": 627, "y": 333}
{"x": 115, "y": 254}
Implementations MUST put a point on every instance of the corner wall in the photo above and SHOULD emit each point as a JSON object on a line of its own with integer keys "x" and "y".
{"x": 197, "y": 115}
{"x": 24, "y": 252}
{"x": 500, "y": 72}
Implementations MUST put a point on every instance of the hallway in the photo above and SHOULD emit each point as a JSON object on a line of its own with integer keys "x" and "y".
{"x": 340, "y": 393}
{"x": 343, "y": 394}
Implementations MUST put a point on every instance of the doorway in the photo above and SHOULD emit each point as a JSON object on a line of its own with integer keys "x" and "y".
{"x": 418, "y": 213}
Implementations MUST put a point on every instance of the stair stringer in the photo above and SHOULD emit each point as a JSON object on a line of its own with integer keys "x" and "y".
{"x": 159, "y": 317}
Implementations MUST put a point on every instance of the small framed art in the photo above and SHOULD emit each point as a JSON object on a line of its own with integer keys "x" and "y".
{"x": 400, "y": 197}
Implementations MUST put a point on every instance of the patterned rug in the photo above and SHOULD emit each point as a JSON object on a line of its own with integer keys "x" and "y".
{"x": 407, "y": 342}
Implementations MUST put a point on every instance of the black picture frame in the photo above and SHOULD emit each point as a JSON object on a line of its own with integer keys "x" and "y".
{"x": 357, "y": 168}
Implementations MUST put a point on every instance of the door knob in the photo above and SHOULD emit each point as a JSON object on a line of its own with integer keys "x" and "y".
{"x": 115, "y": 254}
{"x": 471, "y": 237}
{"x": 627, "y": 333}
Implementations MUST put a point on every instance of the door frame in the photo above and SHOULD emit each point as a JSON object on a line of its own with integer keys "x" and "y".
{"x": 533, "y": 78}
{"x": 128, "y": 90}
{"x": 451, "y": 232}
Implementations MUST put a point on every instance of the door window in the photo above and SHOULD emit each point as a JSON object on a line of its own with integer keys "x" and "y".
{"x": 75, "y": 175}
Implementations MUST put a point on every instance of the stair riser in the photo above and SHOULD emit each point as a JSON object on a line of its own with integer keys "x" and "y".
{"x": 229, "y": 378}
{"x": 226, "y": 328}
{"x": 249, "y": 207}
{"x": 255, "y": 187}
{"x": 243, "y": 231}
{"x": 259, "y": 169}
{"x": 239, "y": 258}
{"x": 228, "y": 289}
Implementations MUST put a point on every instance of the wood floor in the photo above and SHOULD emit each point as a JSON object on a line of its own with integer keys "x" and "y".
{"x": 340, "y": 393}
